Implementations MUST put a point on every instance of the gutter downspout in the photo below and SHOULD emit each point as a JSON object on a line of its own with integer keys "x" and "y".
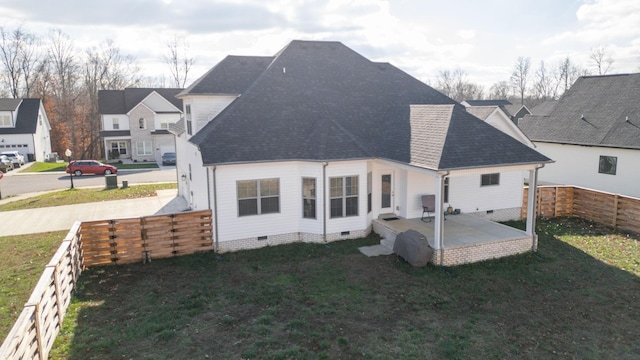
{"x": 324, "y": 201}
{"x": 531, "y": 207}
{"x": 439, "y": 216}
{"x": 215, "y": 208}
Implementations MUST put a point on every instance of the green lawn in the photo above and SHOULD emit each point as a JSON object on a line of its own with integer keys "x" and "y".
{"x": 578, "y": 297}
{"x": 77, "y": 196}
{"x": 23, "y": 261}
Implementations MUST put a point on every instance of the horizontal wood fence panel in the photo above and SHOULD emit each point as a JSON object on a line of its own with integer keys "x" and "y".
{"x": 141, "y": 239}
{"x": 608, "y": 209}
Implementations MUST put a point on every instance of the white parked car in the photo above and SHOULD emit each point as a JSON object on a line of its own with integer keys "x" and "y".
{"x": 5, "y": 164}
{"x": 15, "y": 157}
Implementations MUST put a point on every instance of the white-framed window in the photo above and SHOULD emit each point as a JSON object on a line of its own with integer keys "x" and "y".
{"x": 120, "y": 147}
{"x": 5, "y": 121}
{"x": 446, "y": 190}
{"x": 165, "y": 123}
{"x": 343, "y": 194}
{"x": 256, "y": 197}
{"x": 608, "y": 165}
{"x": 142, "y": 123}
{"x": 116, "y": 123}
{"x": 309, "y": 198}
{"x": 144, "y": 148}
{"x": 187, "y": 118}
{"x": 489, "y": 179}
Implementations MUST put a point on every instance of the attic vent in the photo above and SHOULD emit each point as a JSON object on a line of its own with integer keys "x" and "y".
{"x": 582, "y": 116}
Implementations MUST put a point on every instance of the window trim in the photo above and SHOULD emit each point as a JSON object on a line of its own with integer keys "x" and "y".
{"x": 144, "y": 148}
{"x": 493, "y": 179}
{"x": 613, "y": 165}
{"x": 344, "y": 197}
{"x": 187, "y": 118}
{"x": 312, "y": 197}
{"x": 258, "y": 197}
{"x": 115, "y": 123}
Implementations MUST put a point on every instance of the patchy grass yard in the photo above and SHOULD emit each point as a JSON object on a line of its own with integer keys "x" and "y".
{"x": 78, "y": 196}
{"x": 578, "y": 297}
{"x": 23, "y": 261}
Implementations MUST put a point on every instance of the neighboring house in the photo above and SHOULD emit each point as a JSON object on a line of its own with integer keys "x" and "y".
{"x": 316, "y": 142}
{"x": 135, "y": 122}
{"x": 593, "y": 134}
{"x": 515, "y": 112}
{"x": 24, "y": 127}
{"x": 498, "y": 118}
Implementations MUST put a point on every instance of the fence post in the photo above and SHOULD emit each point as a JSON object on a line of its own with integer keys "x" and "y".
{"x": 615, "y": 210}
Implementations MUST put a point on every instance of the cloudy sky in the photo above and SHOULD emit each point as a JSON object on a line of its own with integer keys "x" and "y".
{"x": 422, "y": 37}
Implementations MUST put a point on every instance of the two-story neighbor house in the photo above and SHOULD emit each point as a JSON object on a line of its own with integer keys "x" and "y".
{"x": 24, "y": 127}
{"x": 593, "y": 133}
{"x": 316, "y": 142}
{"x": 135, "y": 122}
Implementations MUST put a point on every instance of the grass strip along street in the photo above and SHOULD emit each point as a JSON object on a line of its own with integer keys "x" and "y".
{"x": 79, "y": 196}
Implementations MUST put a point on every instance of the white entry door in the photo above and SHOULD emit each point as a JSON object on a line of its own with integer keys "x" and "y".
{"x": 386, "y": 193}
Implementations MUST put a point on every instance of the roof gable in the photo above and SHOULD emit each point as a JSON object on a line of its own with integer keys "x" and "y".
{"x": 122, "y": 101}
{"x": 9, "y": 104}
{"x": 596, "y": 110}
{"x": 26, "y": 117}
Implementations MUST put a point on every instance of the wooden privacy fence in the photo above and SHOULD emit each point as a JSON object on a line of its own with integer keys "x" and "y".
{"x": 95, "y": 243}
{"x": 39, "y": 322}
{"x": 622, "y": 212}
{"x": 130, "y": 240}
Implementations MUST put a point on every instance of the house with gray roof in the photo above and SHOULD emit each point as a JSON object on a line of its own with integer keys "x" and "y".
{"x": 317, "y": 142}
{"x": 514, "y": 111}
{"x": 593, "y": 134}
{"x": 135, "y": 122}
{"x": 24, "y": 127}
{"x": 496, "y": 116}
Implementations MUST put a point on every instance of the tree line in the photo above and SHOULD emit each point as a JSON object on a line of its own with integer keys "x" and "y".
{"x": 526, "y": 85}
{"x": 67, "y": 80}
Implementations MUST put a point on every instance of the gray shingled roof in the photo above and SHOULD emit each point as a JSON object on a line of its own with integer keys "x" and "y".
{"x": 232, "y": 75}
{"x": 323, "y": 101}
{"x": 27, "y": 120}
{"x": 122, "y": 101}
{"x": 596, "y": 110}
{"x": 488, "y": 102}
{"x": 9, "y": 104}
{"x": 544, "y": 108}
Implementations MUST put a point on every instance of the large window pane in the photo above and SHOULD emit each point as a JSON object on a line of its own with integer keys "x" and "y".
{"x": 336, "y": 187}
{"x": 269, "y": 205}
{"x": 248, "y": 207}
{"x": 336, "y": 208}
{"x": 309, "y": 198}
{"x": 269, "y": 187}
{"x": 247, "y": 189}
{"x": 351, "y": 206}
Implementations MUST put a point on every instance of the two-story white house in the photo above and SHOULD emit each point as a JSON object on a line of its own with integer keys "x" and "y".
{"x": 24, "y": 127}
{"x": 135, "y": 122}
{"x": 316, "y": 142}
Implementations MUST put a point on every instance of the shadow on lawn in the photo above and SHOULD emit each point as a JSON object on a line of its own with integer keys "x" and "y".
{"x": 307, "y": 301}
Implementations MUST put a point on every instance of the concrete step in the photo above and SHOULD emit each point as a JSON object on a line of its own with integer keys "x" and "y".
{"x": 388, "y": 243}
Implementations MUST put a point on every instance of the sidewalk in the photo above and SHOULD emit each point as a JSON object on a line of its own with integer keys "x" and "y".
{"x": 20, "y": 222}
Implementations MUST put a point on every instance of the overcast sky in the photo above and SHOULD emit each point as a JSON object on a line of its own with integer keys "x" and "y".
{"x": 422, "y": 37}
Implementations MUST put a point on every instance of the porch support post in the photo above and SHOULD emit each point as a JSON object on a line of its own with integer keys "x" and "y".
{"x": 531, "y": 208}
{"x": 439, "y": 218}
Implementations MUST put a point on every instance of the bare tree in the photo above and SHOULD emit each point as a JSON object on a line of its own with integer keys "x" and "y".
{"x": 520, "y": 76}
{"x": 602, "y": 60}
{"x": 178, "y": 60}
{"x": 500, "y": 90}
{"x": 455, "y": 85}
{"x": 10, "y": 48}
{"x": 543, "y": 87}
{"x": 566, "y": 73}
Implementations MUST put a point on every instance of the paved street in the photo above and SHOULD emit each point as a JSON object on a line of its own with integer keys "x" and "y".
{"x": 15, "y": 182}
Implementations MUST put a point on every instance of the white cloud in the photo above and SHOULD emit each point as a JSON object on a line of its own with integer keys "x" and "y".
{"x": 467, "y": 34}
